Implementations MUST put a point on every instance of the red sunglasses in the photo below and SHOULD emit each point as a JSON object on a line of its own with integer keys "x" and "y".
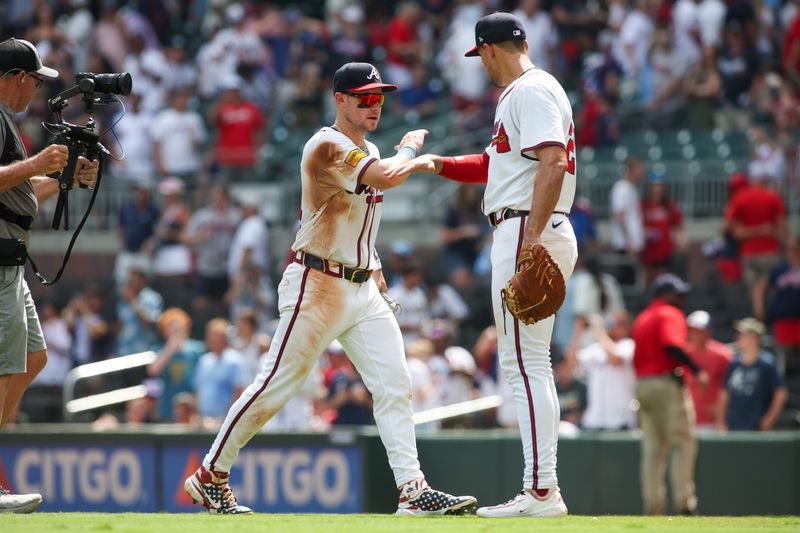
{"x": 365, "y": 101}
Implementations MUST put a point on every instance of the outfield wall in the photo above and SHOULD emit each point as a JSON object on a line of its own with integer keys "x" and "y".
{"x": 737, "y": 474}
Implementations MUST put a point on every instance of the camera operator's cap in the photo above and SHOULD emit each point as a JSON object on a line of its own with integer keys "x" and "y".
{"x": 359, "y": 77}
{"x": 699, "y": 320}
{"x": 750, "y": 325}
{"x": 496, "y": 28}
{"x": 670, "y": 283}
{"x": 20, "y": 54}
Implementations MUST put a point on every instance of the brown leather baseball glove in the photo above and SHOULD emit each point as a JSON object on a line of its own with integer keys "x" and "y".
{"x": 537, "y": 289}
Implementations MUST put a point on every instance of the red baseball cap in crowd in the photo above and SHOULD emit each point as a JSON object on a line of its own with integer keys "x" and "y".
{"x": 496, "y": 28}
{"x": 359, "y": 77}
{"x": 19, "y": 54}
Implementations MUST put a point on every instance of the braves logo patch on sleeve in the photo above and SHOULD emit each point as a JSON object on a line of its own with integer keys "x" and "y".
{"x": 354, "y": 157}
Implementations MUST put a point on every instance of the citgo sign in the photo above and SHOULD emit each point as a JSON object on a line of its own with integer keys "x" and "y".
{"x": 77, "y": 478}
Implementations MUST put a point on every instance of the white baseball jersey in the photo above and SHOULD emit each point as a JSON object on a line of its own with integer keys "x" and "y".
{"x": 340, "y": 216}
{"x": 533, "y": 112}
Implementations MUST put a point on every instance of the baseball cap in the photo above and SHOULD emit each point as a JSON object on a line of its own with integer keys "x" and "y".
{"x": 496, "y": 28}
{"x": 699, "y": 320}
{"x": 750, "y": 325}
{"x": 355, "y": 77}
{"x": 22, "y": 55}
{"x": 670, "y": 283}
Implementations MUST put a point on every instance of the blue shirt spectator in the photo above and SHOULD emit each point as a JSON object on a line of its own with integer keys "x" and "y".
{"x": 220, "y": 376}
{"x": 137, "y": 220}
{"x": 751, "y": 388}
{"x": 138, "y": 312}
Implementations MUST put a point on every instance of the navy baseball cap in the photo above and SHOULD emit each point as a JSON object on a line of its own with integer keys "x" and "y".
{"x": 19, "y": 54}
{"x": 496, "y": 28}
{"x": 358, "y": 77}
{"x": 670, "y": 283}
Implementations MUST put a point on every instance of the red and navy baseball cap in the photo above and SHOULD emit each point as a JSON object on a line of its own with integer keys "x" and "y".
{"x": 359, "y": 77}
{"x": 19, "y": 54}
{"x": 496, "y": 28}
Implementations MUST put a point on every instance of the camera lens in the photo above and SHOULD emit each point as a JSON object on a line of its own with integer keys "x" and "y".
{"x": 113, "y": 83}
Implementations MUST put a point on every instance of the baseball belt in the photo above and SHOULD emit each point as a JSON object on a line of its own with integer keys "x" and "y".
{"x": 323, "y": 265}
{"x": 504, "y": 214}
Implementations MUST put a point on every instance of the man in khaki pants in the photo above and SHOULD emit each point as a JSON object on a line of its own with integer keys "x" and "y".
{"x": 665, "y": 410}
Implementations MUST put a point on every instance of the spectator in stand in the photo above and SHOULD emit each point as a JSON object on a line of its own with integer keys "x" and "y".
{"x": 782, "y": 307}
{"x": 627, "y": 226}
{"x": 307, "y": 97}
{"x": 572, "y": 398}
{"x": 738, "y": 66}
{"x": 181, "y": 68}
{"x": 728, "y": 259}
{"x": 138, "y": 166}
{"x": 219, "y": 378}
{"x": 754, "y": 392}
{"x": 541, "y": 33}
{"x": 594, "y": 292}
{"x": 138, "y": 312}
{"x": 769, "y": 162}
{"x": 444, "y": 301}
{"x": 703, "y": 87}
{"x": 581, "y": 216}
{"x": 148, "y": 66}
{"x": 177, "y": 359}
{"x": 184, "y": 410}
{"x": 347, "y": 396}
{"x": 420, "y": 97}
{"x": 249, "y": 342}
{"x": 608, "y": 368}
{"x": 137, "y": 221}
{"x": 349, "y": 43}
{"x": 633, "y": 40}
{"x": 240, "y": 133}
{"x": 210, "y": 231}
{"x": 790, "y": 60}
{"x": 663, "y": 229}
{"x": 459, "y": 385}
{"x": 425, "y": 393}
{"x": 410, "y": 293}
{"x": 464, "y": 230}
{"x": 249, "y": 264}
{"x": 665, "y": 411}
{"x": 43, "y": 401}
{"x": 90, "y": 326}
{"x": 178, "y": 136}
{"x": 172, "y": 260}
{"x": 713, "y": 357}
{"x": 757, "y": 219}
{"x": 662, "y": 85}
{"x": 686, "y": 28}
{"x": 405, "y": 48}
{"x": 711, "y": 16}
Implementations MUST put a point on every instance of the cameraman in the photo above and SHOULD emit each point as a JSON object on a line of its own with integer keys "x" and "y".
{"x": 23, "y": 184}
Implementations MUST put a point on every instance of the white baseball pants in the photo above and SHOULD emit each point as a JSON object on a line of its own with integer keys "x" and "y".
{"x": 316, "y": 308}
{"x": 524, "y": 350}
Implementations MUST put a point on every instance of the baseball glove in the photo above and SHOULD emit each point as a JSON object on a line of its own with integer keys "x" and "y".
{"x": 537, "y": 289}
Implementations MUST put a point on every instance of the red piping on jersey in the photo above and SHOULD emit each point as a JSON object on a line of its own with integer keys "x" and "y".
{"x": 371, "y": 222}
{"x": 522, "y": 367}
{"x": 516, "y": 82}
{"x": 544, "y": 144}
{"x": 361, "y": 235}
{"x": 271, "y": 374}
{"x": 471, "y": 168}
{"x": 361, "y": 174}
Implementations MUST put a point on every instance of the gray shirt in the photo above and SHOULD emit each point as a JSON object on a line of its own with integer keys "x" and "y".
{"x": 212, "y": 251}
{"x": 20, "y": 199}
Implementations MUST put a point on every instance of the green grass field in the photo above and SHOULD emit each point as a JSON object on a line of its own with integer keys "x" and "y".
{"x": 197, "y": 523}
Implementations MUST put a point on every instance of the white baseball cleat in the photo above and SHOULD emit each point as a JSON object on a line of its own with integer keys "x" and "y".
{"x": 18, "y": 503}
{"x": 549, "y": 505}
{"x": 418, "y": 499}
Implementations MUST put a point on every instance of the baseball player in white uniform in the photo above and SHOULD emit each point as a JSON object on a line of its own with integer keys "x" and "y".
{"x": 333, "y": 290}
{"x": 529, "y": 169}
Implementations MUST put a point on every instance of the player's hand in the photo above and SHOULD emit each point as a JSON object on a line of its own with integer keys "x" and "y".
{"x": 86, "y": 172}
{"x": 52, "y": 159}
{"x": 414, "y": 138}
{"x": 423, "y": 163}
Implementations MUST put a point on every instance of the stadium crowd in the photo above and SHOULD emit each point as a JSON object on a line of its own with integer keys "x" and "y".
{"x": 194, "y": 278}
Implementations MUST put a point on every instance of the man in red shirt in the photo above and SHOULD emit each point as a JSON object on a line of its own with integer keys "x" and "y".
{"x": 666, "y": 416}
{"x": 713, "y": 357}
{"x": 404, "y": 46}
{"x": 757, "y": 219}
{"x": 241, "y": 132}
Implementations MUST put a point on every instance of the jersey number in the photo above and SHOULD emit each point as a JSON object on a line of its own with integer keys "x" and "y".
{"x": 571, "y": 150}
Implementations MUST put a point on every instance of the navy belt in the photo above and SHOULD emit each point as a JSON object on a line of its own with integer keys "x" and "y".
{"x": 504, "y": 214}
{"x": 323, "y": 265}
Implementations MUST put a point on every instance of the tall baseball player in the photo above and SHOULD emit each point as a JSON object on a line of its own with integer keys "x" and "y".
{"x": 333, "y": 290}
{"x": 529, "y": 168}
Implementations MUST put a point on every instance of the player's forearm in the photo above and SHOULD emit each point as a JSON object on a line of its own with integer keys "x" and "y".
{"x": 44, "y": 187}
{"x": 15, "y": 173}
{"x": 548, "y": 181}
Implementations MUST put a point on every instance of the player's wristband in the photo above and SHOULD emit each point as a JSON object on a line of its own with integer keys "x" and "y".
{"x": 408, "y": 150}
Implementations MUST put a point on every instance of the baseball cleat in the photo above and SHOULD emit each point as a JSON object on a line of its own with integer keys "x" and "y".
{"x": 548, "y": 503}
{"x": 211, "y": 490}
{"x": 418, "y": 499}
{"x": 18, "y": 503}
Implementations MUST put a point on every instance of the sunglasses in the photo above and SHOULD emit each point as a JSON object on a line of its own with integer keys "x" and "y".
{"x": 365, "y": 101}
{"x": 39, "y": 81}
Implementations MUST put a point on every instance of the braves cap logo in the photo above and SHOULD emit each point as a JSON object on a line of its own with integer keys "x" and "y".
{"x": 373, "y": 75}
